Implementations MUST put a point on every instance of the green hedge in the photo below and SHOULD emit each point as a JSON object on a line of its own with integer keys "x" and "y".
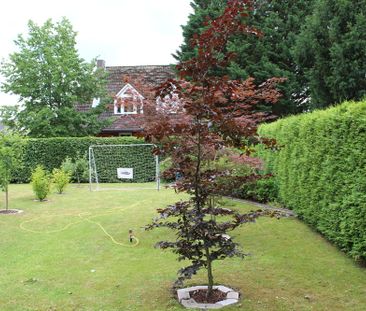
{"x": 50, "y": 152}
{"x": 320, "y": 170}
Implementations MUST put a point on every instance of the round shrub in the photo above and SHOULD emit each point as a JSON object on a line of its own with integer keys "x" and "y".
{"x": 77, "y": 168}
{"x": 60, "y": 179}
{"x": 41, "y": 183}
{"x": 262, "y": 190}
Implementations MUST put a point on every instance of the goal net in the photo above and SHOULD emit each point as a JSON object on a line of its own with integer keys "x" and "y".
{"x": 132, "y": 166}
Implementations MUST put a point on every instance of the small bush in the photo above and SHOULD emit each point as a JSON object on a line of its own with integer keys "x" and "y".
{"x": 266, "y": 190}
{"x": 76, "y": 168}
{"x": 68, "y": 166}
{"x": 61, "y": 179}
{"x": 81, "y": 169}
{"x": 41, "y": 183}
{"x": 262, "y": 190}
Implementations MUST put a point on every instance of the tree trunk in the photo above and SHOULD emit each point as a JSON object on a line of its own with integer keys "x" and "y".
{"x": 209, "y": 273}
{"x": 6, "y": 197}
{"x": 197, "y": 176}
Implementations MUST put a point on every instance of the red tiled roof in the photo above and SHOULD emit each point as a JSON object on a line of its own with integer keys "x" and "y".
{"x": 134, "y": 123}
{"x": 126, "y": 123}
{"x": 151, "y": 75}
{"x": 117, "y": 78}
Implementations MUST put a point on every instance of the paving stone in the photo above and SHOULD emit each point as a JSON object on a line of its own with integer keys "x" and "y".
{"x": 224, "y": 289}
{"x": 227, "y": 302}
{"x": 186, "y": 301}
{"x": 190, "y": 289}
{"x": 232, "y": 295}
{"x": 183, "y": 294}
{"x": 211, "y": 306}
{"x": 190, "y": 303}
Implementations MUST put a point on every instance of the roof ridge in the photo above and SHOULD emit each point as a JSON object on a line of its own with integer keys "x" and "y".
{"x": 140, "y": 66}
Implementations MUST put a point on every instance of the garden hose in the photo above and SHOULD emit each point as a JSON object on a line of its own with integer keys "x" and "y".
{"x": 82, "y": 218}
{"x": 106, "y": 233}
{"x": 21, "y": 226}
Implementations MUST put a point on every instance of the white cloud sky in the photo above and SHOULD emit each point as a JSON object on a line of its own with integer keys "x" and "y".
{"x": 122, "y": 32}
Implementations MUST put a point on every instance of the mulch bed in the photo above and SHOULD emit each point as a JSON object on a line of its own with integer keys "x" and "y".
{"x": 9, "y": 211}
{"x": 200, "y": 296}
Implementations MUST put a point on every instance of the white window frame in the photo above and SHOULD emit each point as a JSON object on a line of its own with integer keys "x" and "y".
{"x": 123, "y": 94}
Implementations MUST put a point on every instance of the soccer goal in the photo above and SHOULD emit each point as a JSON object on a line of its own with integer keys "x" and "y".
{"x": 125, "y": 167}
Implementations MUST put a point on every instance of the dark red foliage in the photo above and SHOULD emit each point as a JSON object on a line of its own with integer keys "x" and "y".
{"x": 193, "y": 120}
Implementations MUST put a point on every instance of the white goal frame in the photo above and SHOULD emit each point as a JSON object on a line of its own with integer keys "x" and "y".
{"x": 93, "y": 168}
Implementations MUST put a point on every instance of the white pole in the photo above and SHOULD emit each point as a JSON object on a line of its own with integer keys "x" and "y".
{"x": 90, "y": 171}
{"x": 157, "y": 173}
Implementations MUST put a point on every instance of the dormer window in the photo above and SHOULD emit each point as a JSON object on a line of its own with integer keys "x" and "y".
{"x": 169, "y": 103}
{"x": 128, "y": 101}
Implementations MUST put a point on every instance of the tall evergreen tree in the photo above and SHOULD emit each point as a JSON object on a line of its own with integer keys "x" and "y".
{"x": 331, "y": 50}
{"x": 202, "y": 10}
{"x": 280, "y": 23}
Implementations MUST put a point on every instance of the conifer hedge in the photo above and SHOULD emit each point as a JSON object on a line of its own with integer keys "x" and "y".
{"x": 320, "y": 170}
{"x": 51, "y": 152}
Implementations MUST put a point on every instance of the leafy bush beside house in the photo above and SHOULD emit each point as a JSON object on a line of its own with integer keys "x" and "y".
{"x": 51, "y": 152}
{"x": 320, "y": 171}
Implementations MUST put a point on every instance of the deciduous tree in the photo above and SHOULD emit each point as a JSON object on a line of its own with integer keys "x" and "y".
{"x": 51, "y": 78}
{"x": 199, "y": 115}
{"x": 10, "y": 160}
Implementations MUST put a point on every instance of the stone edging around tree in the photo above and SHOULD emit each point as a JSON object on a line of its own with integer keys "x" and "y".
{"x": 185, "y": 299}
{"x": 10, "y": 211}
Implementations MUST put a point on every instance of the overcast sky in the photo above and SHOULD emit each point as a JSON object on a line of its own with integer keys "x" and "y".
{"x": 122, "y": 32}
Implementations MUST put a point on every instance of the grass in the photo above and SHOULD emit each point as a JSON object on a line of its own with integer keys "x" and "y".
{"x": 78, "y": 267}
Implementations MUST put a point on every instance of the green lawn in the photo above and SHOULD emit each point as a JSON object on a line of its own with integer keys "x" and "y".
{"x": 76, "y": 266}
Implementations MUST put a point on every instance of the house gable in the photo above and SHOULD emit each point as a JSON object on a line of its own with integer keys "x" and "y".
{"x": 122, "y": 84}
{"x": 128, "y": 101}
